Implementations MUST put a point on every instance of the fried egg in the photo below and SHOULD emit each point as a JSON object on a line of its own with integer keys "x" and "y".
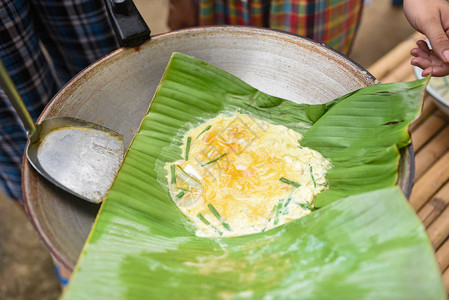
{"x": 241, "y": 175}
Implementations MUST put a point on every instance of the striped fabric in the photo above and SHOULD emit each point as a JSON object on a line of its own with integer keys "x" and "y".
{"x": 332, "y": 22}
{"x": 74, "y": 32}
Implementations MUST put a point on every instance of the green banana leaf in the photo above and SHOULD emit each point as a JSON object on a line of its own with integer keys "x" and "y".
{"x": 359, "y": 245}
{"x": 362, "y": 136}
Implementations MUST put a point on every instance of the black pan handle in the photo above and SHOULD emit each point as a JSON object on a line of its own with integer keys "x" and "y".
{"x": 129, "y": 26}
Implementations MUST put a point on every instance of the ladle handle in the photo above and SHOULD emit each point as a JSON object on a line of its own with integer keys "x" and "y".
{"x": 11, "y": 92}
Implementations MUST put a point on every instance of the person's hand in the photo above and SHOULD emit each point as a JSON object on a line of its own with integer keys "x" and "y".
{"x": 182, "y": 14}
{"x": 431, "y": 18}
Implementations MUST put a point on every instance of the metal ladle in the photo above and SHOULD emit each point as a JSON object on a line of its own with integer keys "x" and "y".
{"x": 75, "y": 155}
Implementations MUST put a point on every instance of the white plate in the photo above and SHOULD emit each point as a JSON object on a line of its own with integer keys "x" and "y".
{"x": 438, "y": 88}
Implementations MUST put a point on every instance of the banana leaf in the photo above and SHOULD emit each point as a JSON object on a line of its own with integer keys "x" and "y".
{"x": 362, "y": 136}
{"x": 365, "y": 242}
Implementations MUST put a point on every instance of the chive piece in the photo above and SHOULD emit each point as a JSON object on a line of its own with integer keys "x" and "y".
{"x": 217, "y": 230}
{"x": 271, "y": 213}
{"x": 226, "y": 226}
{"x": 307, "y": 206}
{"x": 182, "y": 169}
{"x": 203, "y": 219}
{"x": 285, "y": 180}
{"x": 206, "y": 129}
{"x": 217, "y": 215}
{"x": 214, "y": 160}
{"x": 183, "y": 189}
{"x": 173, "y": 176}
{"x": 311, "y": 175}
{"x": 285, "y": 206}
{"x": 278, "y": 210}
{"x": 180, "y": 194}
{"x": 214, "y": 211}
{"x": 185, "y": 173}
{"x": 189, "y": 140}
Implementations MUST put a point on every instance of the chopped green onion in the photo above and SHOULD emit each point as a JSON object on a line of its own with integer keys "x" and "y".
{"x": 276, "y": 218}
{"x": 285, "y": 180}
{"x": 214, "y": 211}
{"x": 217, "y": 215}
{"x": 311, "y": 175}
{"x": 205, "y": 221}
{"x": 226, "y": 225}
{"x": 188, "y": 175}
{"x": 278, "y": 211}
{"x": 285, "y": 206}
{"x": 180, "y": 194}
{"x": 306, "y": 206}
{"x": 214, "y": 160}
{"x": 206, "y": 129}
{"x": 189, "y": 140}
{"x": 185, "y": 173}
{"x": 271, "y": 214}
{"x": 183, "y": 189}
{"x": 173, "y": 176}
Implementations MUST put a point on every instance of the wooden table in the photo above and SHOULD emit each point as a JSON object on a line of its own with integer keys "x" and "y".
{"x": 430, "y": 137}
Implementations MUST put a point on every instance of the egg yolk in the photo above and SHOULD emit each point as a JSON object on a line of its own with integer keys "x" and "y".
{"x": 241, "y": 175}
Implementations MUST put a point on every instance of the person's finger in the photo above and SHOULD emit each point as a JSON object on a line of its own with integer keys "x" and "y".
{"x": 431, "y": 67}
{"x": 426, "y": 72}
{"x": 418, "y": 52}
{"x": 438, "y": 38}
{"x": 421, "y": 62}
{"x": 423, "y": 46}
{"x": 438, "y": 71}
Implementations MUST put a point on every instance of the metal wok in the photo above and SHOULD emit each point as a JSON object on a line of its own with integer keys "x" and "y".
{"x": 116, "y": 92}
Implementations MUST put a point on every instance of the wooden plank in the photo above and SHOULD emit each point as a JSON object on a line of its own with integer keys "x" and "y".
{"x": 410, "y": 77}
{"x": 400, "y": 73}
{"x": 399, "y": 54}
{"x": 426, "y": 131}
{"x": 430, "y": 153}
{"x": 430, "y": 182}
{"x": 387, "y": 64}
{"x": 439, "y": 230}
{"x": 443, "y": 256}
{"x": 435, "y": 206}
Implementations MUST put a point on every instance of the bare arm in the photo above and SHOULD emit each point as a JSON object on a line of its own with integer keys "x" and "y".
{"x": 182, "y": 14}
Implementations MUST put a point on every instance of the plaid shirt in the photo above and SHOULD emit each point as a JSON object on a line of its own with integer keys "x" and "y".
{"x": 75, "y": 33}
{"x": 332, "y": 22}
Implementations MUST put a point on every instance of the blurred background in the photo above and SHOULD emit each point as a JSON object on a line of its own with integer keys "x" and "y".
{"x": 26, "y": 269}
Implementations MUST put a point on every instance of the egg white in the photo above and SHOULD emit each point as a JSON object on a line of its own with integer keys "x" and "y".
{"x": 242, "y": 175}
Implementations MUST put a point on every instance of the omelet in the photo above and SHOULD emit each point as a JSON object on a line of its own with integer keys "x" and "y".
{"x": 241, "y": 175}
